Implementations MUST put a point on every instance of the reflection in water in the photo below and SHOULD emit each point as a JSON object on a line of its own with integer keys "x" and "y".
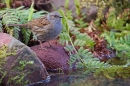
{"x": 83, "y": 80}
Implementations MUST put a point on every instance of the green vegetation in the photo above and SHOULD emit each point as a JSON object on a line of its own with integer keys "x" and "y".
{"x": 82, "y": 57}
{"x": 18, "y": 16}
{"x": 115, "y": 30}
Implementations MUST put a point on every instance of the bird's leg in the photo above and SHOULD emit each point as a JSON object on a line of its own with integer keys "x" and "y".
{"x": 51, "y": 45}
{"x": 41, "y": 45}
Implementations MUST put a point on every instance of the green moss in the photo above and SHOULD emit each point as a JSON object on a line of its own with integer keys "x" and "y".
{"x": 3, "y": 54}
{"x": 18, "y": 78}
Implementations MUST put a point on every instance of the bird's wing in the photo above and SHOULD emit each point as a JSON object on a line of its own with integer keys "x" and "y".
{"x": 39, "y": 22}
{"x": 38, "y": 31}
{"x": 40, "y": 27}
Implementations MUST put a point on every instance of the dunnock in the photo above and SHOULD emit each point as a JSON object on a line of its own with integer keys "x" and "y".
{"x": 45, "y": 28}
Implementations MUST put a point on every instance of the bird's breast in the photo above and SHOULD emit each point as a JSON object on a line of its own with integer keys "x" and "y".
{"x": 52, "y": 34}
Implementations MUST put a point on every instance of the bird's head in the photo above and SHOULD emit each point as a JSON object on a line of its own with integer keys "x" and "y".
{"x": 54, "y": 17}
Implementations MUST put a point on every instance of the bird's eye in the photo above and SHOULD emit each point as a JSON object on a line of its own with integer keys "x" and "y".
{"x": 55, "y": 16}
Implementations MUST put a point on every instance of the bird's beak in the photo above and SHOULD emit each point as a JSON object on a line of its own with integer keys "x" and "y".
{"x": 60, "y": 17}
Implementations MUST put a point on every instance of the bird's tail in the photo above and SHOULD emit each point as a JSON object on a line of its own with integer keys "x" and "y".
{"x": 20, "y": 25}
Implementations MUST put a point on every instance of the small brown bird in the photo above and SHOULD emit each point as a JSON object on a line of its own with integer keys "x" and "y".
{"x": 45, "y": 28}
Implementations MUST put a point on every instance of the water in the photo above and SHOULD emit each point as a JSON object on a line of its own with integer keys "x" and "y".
{"x": 76, "y": 79}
